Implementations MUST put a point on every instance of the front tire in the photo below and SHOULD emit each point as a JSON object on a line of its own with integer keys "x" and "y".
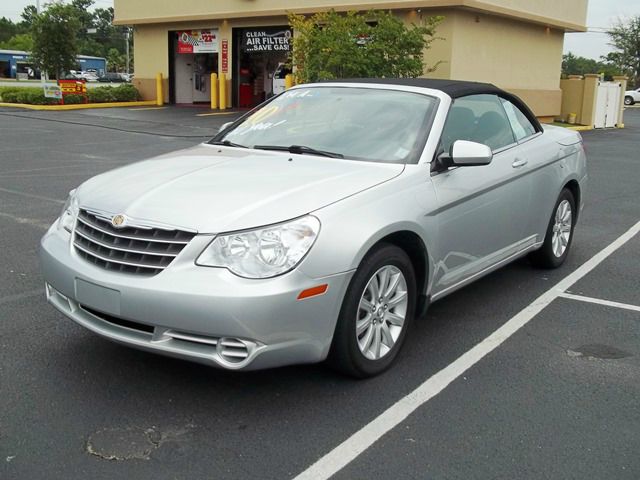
{"x": 376, "y": 313}
{"x": 559, "y": 236}
{"x": 628, "y": 101}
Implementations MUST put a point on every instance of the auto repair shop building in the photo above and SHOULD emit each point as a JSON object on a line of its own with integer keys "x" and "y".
{"x": 515, "y": 44}
{"x": 16, "y": 64}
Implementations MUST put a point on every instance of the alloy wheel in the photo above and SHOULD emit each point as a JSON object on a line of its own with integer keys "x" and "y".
{"x": 562, "y": 228}
{"x": 381, "y": 312}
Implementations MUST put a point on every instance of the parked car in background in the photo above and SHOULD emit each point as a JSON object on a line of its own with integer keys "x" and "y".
{"x": 89, "y": 76}
{"x": 73, "y": 75}
{"x": 317, "y": 226}
{"x": 631, "y": 96}
{"x": 112, "y": 77}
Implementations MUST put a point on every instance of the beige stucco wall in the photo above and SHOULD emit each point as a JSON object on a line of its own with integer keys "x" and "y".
{"x": 441, "y": 48}
{"x": 568, "y": 14}
{"x": 520, "y": 55}
{"x": 572, "y": 96}
{"x": 524, "y": 58}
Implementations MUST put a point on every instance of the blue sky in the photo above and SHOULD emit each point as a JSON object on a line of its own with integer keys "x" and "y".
{"x": 601, "y": 15}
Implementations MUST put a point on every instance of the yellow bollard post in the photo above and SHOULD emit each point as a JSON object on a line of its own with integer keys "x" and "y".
{"x": 214, "y": 91}
{"x": 288, "y": 81}
{"x": 222, "y": 94}
{"x": 159, "y": 93}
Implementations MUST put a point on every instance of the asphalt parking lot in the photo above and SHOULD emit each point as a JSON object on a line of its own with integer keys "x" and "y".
{"x": 554, "y": 394}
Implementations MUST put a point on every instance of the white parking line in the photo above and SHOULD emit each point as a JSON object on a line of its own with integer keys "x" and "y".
{"x": 21, "y": 296}
{"x": 599, "y": 301}
{"x": 214, "y": 114}
{"x": 31, "y": 195}
{"x": 357, "y": 443}
{"x": 26, "y": 221}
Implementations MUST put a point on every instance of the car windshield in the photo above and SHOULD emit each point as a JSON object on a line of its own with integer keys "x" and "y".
{"x": 342, "y": 122}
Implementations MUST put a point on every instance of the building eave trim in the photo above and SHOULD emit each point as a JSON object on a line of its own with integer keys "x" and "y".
{"x": 476, "y": 5}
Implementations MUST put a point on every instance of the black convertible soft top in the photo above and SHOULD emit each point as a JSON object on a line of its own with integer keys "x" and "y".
{"x": 453, "y": 88}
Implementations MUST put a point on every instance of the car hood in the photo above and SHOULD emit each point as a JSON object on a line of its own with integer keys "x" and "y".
{"x": 215, "y": 189}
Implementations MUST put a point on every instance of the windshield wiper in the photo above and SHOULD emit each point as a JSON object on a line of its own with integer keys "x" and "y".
{"x": 227, "y": 143}
{"x": 299, "y": 150}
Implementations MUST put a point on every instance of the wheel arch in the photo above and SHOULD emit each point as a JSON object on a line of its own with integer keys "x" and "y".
{"x": 413, "y": 245}
{"x": 574, "y": 187}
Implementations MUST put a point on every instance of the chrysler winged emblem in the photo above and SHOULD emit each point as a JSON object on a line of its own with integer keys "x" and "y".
{"x": 118, "y": 221}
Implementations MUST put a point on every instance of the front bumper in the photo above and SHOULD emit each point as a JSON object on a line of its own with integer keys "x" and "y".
{"x": 203, "y": 314}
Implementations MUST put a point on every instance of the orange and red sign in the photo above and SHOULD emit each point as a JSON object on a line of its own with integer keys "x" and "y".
{"x": 76, "y": 87}
{"x": 225, "y": 56}
{"x": 73, "y": 87}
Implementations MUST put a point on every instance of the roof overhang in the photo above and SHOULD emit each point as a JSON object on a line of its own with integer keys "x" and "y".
{"x": 474, "y": 5}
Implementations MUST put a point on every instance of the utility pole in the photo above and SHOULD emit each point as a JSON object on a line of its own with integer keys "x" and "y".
{"x": 43, "y": 80}
{"x": 127, "y": 49}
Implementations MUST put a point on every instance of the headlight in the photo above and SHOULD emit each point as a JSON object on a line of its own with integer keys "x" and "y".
{"x": 264, "y": 252}
{"x": 69, "y": 212}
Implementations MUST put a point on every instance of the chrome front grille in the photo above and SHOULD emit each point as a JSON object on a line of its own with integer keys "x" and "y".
{"x": 132, "y": 249}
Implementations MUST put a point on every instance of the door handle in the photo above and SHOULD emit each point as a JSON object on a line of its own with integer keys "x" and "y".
{"x": 519, "y": 162}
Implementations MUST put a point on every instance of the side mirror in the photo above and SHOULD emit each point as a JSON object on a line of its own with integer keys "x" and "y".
{"x": 224, "y": 126}
{"x": 469, "y": 154}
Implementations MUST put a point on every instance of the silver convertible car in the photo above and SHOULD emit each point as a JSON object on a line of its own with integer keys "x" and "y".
{"x": 317, "y": 226}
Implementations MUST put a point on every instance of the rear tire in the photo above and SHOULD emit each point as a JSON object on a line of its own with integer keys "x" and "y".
{"x": 557, "y": 241}
{"x": 376, "y": 313}
{"x": 628, "y": 101}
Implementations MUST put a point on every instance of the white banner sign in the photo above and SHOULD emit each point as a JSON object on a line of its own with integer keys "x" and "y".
{"x": 52, "y": 91}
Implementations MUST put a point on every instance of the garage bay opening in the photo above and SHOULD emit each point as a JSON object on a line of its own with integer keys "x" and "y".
{"x": 260, "y": 58}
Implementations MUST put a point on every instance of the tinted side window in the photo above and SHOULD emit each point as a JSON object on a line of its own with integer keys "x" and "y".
{"x": 522, "y": 127}
{"x": 477, "y": 118}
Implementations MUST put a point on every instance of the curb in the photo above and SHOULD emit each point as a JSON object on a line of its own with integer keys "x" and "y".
{"x": 80, "y": 106}
{"x": 584, "y": 128}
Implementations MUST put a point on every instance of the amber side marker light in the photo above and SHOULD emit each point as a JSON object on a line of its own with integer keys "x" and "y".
{"x": 313, "y": 291}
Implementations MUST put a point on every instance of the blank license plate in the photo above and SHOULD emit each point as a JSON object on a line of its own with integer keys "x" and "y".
{"x": 101, "y": 298}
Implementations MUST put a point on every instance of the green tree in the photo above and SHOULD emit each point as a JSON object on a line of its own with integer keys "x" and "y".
{"x": 109, "y": 35}
{"x": 625, "y": 37}
{"x": 21, "y": 41}
{"x": 330, "y": 45}
{"x": 8, "y": 29}
{"x": 55, "y": 44}
{"x": 576, "y": 65}
{"x": 115, "y": 61}
{"x": 88, "y": 44}
{"x": 28, "y": 15}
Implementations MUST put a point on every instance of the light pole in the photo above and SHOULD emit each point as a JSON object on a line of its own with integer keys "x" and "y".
{"x": 127, "y": 48}
{"x": 43, "y": 80}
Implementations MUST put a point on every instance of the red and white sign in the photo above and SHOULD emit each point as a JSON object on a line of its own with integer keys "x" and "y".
{"x": 225, "y": 56}
{"x": 198, "y": 41}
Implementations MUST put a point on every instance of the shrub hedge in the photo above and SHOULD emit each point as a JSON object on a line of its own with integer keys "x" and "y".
{"x": 122, "y": 93}
{"x": 35, "y": 95}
